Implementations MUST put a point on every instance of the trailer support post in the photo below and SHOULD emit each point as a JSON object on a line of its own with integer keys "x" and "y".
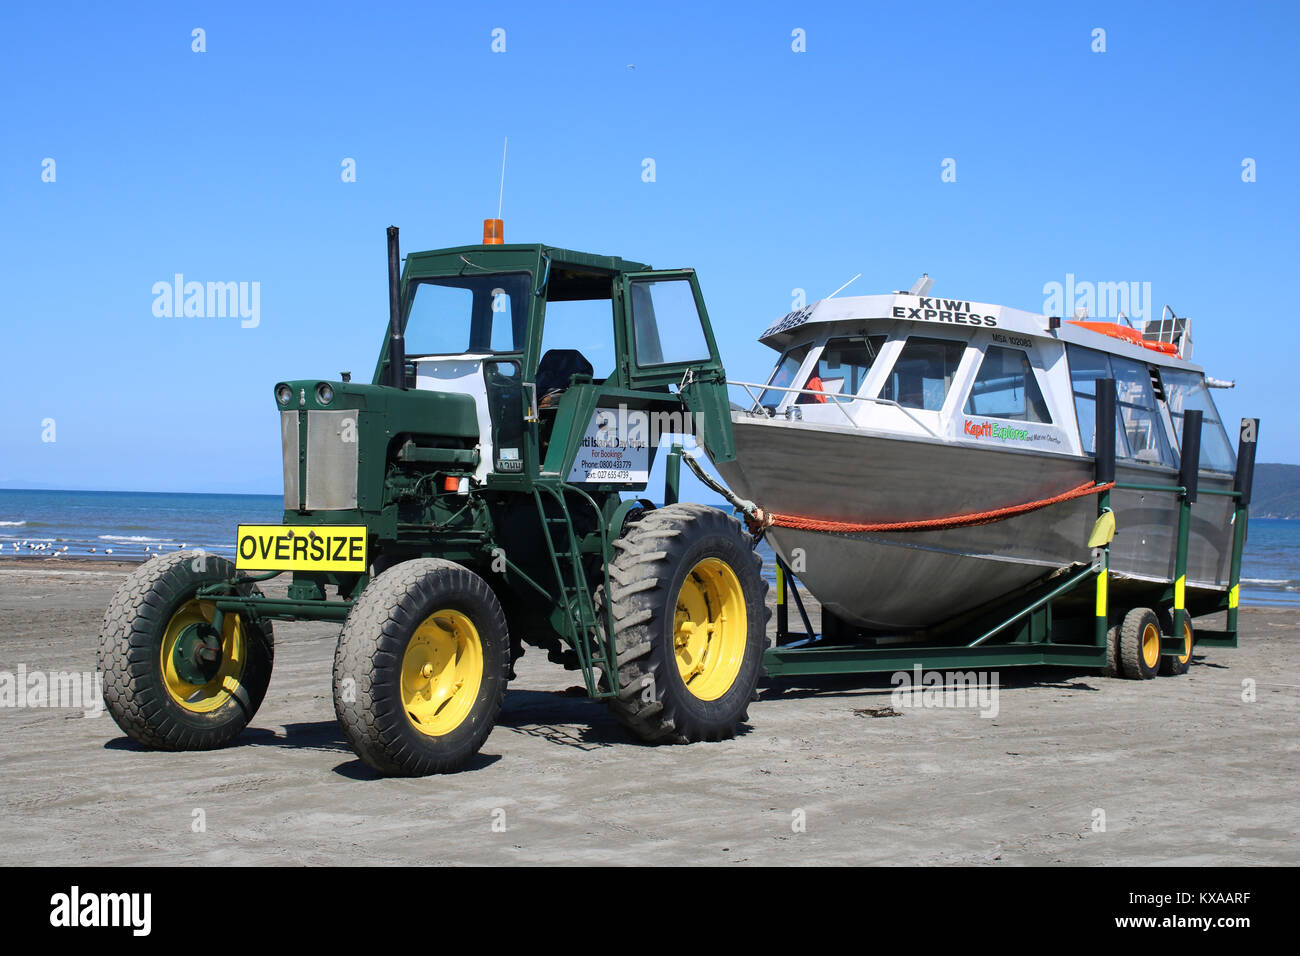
{"x": 1105, "y": 474}
{"x": 1241, "y": 516}
{"x": 1189, "y": 474}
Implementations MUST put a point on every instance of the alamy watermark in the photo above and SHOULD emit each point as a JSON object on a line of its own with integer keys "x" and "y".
{"x": 955, "y": 689}
{"x": 211, "y": 300}
{"x": 74, "y": 690}
{"x": 645, "y": 429}
{"x": 1107, "y": 300}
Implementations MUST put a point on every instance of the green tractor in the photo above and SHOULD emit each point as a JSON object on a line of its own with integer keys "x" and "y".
{"x": 484, "y": 492}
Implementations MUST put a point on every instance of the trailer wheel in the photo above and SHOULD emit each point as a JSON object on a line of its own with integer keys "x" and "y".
{"x": 171, "y": 682}
{"x": 1112, "y": 653}
{"x": 690, "y": 625}
{"x": 420, "y": 669}
{"x": 1174, "y": 666}
{"x": 1139, "y": 644}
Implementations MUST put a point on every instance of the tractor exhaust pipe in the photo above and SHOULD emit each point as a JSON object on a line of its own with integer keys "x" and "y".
{"x": 396, "y": 344}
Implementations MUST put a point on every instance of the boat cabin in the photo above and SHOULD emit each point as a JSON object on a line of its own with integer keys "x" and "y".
{"x": 950, "y": 370}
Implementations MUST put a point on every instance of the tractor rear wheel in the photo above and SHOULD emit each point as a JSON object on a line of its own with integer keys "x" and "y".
{"x": 1139, "y": 644}
{"x": 690, "y": 625}
{"x": 420, "y": 669}
{"x": 171, "y": 681}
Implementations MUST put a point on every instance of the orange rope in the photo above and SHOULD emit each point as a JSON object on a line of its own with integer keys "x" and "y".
{"x": 969, "y": 520}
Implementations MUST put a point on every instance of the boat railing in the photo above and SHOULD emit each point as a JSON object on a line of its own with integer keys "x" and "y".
{"x": 828, "y": 398}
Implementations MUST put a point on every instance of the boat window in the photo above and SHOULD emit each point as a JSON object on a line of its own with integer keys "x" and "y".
{"x": 783, "y": 376}
{"x": 1185, "y": 391}
{"x": 1086, "y": 367}
{"x": 1139, "y": 434}
{"x": 666, "y": 323}
{"x": 1147, "y": 441}
{"x": 1006, "y": 387}
{"x": 923, "y": 373}
{"x": 841, "y": 369}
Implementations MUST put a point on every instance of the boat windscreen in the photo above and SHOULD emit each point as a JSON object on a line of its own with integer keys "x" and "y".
{"x": 923, "y": 373}
{"x": 783, "y": 376}
{"x": 841, "y": 369}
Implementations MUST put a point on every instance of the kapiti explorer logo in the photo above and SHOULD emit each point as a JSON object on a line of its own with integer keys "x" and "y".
{"x": 76, "y": 909}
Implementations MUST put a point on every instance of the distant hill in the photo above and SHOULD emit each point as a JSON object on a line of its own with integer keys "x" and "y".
{"x": 1277, "y": 492}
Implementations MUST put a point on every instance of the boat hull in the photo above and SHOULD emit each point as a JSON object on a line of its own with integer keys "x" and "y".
{"x": 910, "y": 580}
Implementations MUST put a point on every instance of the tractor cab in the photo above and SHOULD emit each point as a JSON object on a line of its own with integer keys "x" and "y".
{"x": 571, "y": 359}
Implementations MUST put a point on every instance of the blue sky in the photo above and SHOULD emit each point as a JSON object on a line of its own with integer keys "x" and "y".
{"x": 775, "y": 170}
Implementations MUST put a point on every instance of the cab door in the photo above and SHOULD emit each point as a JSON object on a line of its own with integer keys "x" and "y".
{"x": 668, "y": 342}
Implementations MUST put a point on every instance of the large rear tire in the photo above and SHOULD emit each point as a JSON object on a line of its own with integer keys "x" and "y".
{"x": 170, "y": 681}
{"x": 421, "y": 667}
{"x": 690, "y": 625}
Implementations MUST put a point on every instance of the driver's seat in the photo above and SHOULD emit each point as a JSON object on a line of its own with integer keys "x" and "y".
{"x": 555, "y": 371}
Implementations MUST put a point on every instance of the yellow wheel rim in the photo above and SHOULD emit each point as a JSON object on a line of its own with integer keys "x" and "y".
{"x": 1151, "y": 645}
{"x": 442, "y": 671}
{"x": 1186, "y": 655}
{"x": 710, "y": 629}
{"x": 207, "y": 696}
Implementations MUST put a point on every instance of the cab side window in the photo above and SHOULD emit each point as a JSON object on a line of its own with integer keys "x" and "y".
{"x": 666, "y": 323}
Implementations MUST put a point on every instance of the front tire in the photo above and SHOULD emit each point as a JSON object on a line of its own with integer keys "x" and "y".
{"x": 421, "y": 667}
{"x": 170, "y": 681}
{"x": 690, "y": 625}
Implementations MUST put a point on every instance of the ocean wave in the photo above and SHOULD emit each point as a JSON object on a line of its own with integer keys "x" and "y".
{"x": 12, "y": 524}
{"x": 1268, "y": 582}
{"x": 133, "y": 538}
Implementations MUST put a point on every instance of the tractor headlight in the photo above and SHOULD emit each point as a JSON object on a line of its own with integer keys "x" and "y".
{"x": 283, "y": 394}
{"x": 324, "y": 393}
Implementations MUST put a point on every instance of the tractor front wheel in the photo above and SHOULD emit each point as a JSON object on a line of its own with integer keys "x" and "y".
{"x": 420, "y": 668}
{"x": 173, "y": 678}
{"x": 690, "y": 625}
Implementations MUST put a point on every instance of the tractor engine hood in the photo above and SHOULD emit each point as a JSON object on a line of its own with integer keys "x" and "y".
{"x": 337, "y": 438}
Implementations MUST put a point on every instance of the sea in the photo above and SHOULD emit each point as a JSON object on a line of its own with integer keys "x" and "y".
{"x": 127, "y": 525}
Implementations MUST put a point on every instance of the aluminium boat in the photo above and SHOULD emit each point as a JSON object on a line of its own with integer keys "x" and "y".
{"x": 906, "y": 407}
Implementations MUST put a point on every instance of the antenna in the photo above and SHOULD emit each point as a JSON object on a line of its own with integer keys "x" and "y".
{"x": 845, "y": 286}
{"x": 502, "y": 194}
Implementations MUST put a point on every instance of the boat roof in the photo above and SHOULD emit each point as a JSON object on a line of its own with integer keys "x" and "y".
{"x": 953, "y": 315}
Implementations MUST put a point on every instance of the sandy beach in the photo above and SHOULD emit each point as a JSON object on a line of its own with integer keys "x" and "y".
{"x": 1183, "y": 770}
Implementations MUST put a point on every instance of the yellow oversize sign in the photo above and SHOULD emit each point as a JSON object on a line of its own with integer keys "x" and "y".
{"x": 271, "y": 547}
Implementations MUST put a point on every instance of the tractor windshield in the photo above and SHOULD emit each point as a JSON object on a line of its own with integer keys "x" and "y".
{"x": 455, "y": 315}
